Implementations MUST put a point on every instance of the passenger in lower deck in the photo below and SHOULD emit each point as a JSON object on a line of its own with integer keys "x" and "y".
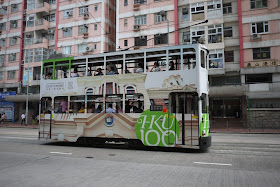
{"x": 110, "y": 109}
{"x": 98, "y": 110}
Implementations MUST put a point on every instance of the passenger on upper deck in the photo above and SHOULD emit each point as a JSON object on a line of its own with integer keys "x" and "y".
{"x": 89, "y": 73}
{"x": 140, "y": 68}
{"x": 98, "y": 110}
{"x": 126, "y": 70}
{"x": 171, "y": 65}
{"x": 111, "y": 71}
{"x": 98, "y": 72}
{"x": 155, "y": 67}
{"x": 75, "y": 73}
{"x": 49, "y": 76}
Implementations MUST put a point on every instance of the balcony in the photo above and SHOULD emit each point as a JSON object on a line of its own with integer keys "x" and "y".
{"x": 38, "y": 43}
{"x": 40, "y": 7}
{"x": 40, "y": 24}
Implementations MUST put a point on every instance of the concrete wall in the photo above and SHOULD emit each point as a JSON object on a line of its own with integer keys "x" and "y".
{"x": 269, "y": 119}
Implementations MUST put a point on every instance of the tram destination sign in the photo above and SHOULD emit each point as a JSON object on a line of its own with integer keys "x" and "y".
{"x": 156, "y": 108}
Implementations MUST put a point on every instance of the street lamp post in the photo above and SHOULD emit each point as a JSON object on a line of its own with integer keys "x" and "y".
{"x": 163, "y": 14}
{"x": 27, "y": 82}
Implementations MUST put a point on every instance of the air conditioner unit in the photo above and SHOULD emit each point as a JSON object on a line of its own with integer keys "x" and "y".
{"x": 157, "y": 35}
{"x": 28, "y": 35}
{"x": 64, "y": 29}
{"x": 142, "y": 37}
{"x": 256, "y": 36}
{"x": 136, "y": 27}
{"x": 86, "y": 15}
{"x": 14, "y": 5}
{"x": 50, "y": 31}
{"x": 69, "y": 14}
{"x": 13, "y": 21}
{"x": 88, "y": 49}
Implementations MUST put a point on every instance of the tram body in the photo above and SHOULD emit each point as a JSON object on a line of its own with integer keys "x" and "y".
{"x": 168, "y": 108}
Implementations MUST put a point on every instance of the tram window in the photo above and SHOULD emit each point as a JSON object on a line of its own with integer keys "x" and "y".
{"x": 48, "y": 72}
{"x": 46, "y": 105}
{"x": 61, "y": 72}
{"x": 94, "y": 103}
{"x": 183, "y": 103}
{"x": 61, "y": 104}
{"x": 115, "y": 102}
{"x": 134, "y": 103}
{"x": 77, "y": 104}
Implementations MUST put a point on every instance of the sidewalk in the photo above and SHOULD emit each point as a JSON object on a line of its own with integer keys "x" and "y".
{"x": 243, "y": 130}
{"x": 18, "y": 125}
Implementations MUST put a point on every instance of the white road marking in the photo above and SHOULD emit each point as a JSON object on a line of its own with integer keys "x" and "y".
{"x": 23, "y": 138}
{"x": 219, "y": 164}
{"x": 61, "y": 153}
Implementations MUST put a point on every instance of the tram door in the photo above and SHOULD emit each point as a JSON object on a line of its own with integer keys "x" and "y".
{"x": 45, "y": 120}
{"x": 184, "y": 107}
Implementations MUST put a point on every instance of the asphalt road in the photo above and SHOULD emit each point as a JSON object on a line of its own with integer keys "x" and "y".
{"x": 233, "y": 160}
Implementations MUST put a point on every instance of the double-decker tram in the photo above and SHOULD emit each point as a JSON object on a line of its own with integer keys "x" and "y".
{"x": 157, "y": 96}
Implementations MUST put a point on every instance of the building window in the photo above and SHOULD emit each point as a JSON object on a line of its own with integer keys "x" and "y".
{"x": 28, "y": 55}
{"x": 95, "y": 7}
{"x": 214, "y": 5}
{"x": 1, "y": 75}
{"x": 197, "y": 34}
{"x": 161, "y": 39}
{"x": 187, "y": 37}
{"x": 13, "y": 41}
{"x": 83, "y": 29}
{"x": 140, "y": 20}
{"x": 259, "y": 27}
{"x": 40, "y": 54}
{"x": 258, "y": 78}
{"x": 2, "y": 26}
{"x": 2, "y": 42}
{"x": 51, "y": 52}
{"x": 125, "y": 3}
{"x": 125, "y": 22}
{"x": 125, "y": 43}
{"x": 216, "y": 58}
{"x": 51, "y": 2}
{"x": 68, "y": 13}
{"x": 50, "y": 18}
{"x": 67, "y": 50}
{"x": 224, "y": 108}
{"x": 225, "y": 80}
{"x": 215, "y": 34}
{"x": 140, "y": 41}
{"x": 83, "y": 10}
{"x": 197, "y": 8}
{"x": 258, "y": 4}
{"x": 82, "y": 48}
{"x": 14, "y": 8}
{"x": 3, "y": 10}
{"x": 12, "y": 57}
{"x": 261, "y": 53}
{"x": 227, "y": 31}
{"x": 229, "y": 56}
{"x": 12, "y": 74}
{"x": 227, "y": 9}
{"x": 30, "y": 4}
{"x": 95, "y": 27}
{"x": 30, "y": 20}
{"x": 2, "y": 58}
{"x": 140, "y": 1}
{"x": 160, "y": 18}
{"x": 67, "y": 32}
{"x": 185, "y": 13}
{"x": 95, "y": 46}
{"x": 13, "y": 24}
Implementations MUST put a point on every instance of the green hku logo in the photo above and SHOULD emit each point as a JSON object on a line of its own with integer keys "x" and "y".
{"x": 157, "y": 129}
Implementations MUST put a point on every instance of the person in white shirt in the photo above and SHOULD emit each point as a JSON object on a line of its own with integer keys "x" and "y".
{"x": 75, "y": 74}
{"x": 22, "y": 118}
{"x": 139, "y": 68}
{"x": 155, "y": 67}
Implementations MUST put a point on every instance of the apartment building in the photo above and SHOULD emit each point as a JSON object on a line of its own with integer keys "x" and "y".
{"x": 10, "y": 53}
{"x": 34, "y": 30}
{"x": 260, "y": 60}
